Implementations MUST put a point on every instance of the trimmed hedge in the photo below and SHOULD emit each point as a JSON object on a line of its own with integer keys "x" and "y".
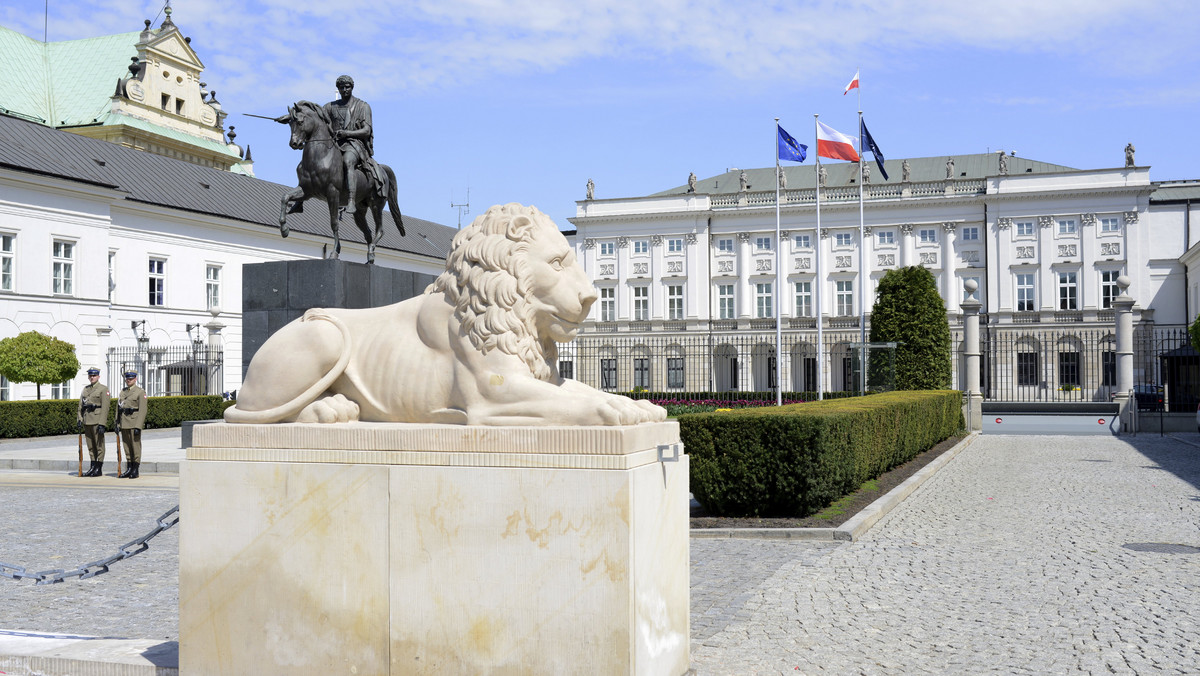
{"x": 734, "y": 396}
{"x": 795, "y": 460}
{"x": 20, "y": 419}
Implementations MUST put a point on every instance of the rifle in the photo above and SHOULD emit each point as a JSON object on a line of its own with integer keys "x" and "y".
{"x": 118, "y": 429}
{"x": 80, "y": 453}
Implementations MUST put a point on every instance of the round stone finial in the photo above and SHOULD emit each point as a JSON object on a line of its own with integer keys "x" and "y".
{"x": 970, "y": 285}
{"x": 1123, "y": 282}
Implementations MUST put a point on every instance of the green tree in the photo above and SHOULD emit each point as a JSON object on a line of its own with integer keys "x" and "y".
{"x": 910, "y": 312}
{"x": 1194, "y": 332}
{"x": 35, "y": 358}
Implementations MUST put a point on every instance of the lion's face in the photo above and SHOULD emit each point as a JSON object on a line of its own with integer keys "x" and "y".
{"x": 559, "y": 291}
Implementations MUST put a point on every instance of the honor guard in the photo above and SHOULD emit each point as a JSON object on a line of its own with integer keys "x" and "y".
{"x": 131, "y": 419}
{"x": 93, "y": 414}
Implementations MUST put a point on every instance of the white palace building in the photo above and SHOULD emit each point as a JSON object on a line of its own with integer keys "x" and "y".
{"x": 688, "y": 286}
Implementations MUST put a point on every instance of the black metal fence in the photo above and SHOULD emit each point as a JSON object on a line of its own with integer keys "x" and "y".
{"x": 1081, "y": 365}
{"x": 728, "y": 365}
{"x": 171, "y": 370}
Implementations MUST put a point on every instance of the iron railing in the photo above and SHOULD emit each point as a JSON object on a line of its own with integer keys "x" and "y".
{"x": 170, "y": 370}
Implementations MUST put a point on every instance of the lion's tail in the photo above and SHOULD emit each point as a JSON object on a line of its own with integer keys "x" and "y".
{"x": 393, "y": 206}
{"x": 233, "y": 414}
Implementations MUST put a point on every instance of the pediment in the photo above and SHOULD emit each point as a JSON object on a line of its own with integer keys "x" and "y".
{"x": 171, "y": 46}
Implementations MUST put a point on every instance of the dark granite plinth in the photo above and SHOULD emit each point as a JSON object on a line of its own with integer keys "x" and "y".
{"x": 276, "y": 293}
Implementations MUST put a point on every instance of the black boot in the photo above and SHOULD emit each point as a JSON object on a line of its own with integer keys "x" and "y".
{"x": 91, "y": 468}
{"x": 96, "y": 470}
{"x": 133, "y": 470}
{"x": 128, "y": 471}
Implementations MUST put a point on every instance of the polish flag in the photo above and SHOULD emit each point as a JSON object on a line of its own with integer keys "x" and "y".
{"x": 853, "y": 84}
{"x": 835, "y": 145}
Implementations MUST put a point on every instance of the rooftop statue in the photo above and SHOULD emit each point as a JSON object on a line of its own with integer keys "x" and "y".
{"x": 477, "y": 348}
{"x": 337, "y": 166}
{"x": 1129, "y": 150}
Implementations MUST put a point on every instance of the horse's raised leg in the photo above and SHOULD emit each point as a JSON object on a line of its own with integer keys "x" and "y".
{"x": 295, "y": 196}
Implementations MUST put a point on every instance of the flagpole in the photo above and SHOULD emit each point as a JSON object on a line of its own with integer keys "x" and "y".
{"x": 820, "y": 284}
{"x": 778, "y": 279}
{"x": 862, "y": 254}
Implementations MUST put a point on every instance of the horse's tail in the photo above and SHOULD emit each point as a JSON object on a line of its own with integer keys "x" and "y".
{"x": 392, "y": 199}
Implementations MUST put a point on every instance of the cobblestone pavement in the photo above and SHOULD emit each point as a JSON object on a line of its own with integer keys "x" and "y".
{"x": 52, "y": 520}
{"x": 1010, "y": 560}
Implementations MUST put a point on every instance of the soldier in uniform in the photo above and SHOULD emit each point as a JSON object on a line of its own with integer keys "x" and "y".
{"x": 93, "y": 414}
{"x": 351, "y": 118}
{"x": 131, "y": 419}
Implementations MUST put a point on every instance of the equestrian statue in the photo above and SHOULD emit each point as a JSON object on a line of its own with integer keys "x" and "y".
{"x": 337, "y": 166}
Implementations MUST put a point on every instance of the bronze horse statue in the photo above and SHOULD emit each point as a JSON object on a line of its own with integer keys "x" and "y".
{"x": 321, "y": 176}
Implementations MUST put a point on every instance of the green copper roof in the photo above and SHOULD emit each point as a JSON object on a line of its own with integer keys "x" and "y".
{"x": 62, "y": 83}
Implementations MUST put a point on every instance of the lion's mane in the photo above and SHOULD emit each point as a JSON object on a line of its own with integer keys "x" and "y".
{"x": 486, "y": 279}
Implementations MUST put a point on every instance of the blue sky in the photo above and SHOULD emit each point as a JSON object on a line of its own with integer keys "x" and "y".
{"x": 526, "y": 100}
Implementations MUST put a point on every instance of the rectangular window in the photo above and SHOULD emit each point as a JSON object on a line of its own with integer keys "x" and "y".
{"x": 64, "y": 268}
{"x": 725, "y": 301}
{"x": 845, "y": 298}
{"x": 641, "y": 372}
{"x": 112, "y": 274}
{"x": 1068, "y": 291}
{"x": 843, "y": 239}
{"x": 158, "y": 280}
{"x": 566, "y": 369}
{"x": 61, "y": 390}
{"x": 641, "y": 246}
{"x": 608, "y": 248}
{"x": 675, "y": 301}
{"x": 1108, "y": 368}
{"x": 1066, "y": 226}
{"x": 928, "y": 236}
{"x": 608, "y": 374}
{"x": 1108, "y": 287}
{"x": 803, "y": 241}
{"x": 7, "y": 252}
{"x": 608, "y": 304}
{"x": 804, "y": 299}
{"x": 5, "y": 394}
{"x": 1025, "y": 295}
{"x": 725, "y": 245}
{"x": 1024, "y": 228}
{"x": 970, "y": 233}
{"x": 641, "y": 303}
{"x": 1027, "y": 368}
{"x": 212, "y": 286}
{"x": 1068, "y": 368}
{"x": 762, "y": 243}
{"x": 674, "y": 245}
{"x": 1109, "y": 225}
{"x": 763, "y": 300}
{"x": 885, "y": 237}
{"x": 675, "y": 372}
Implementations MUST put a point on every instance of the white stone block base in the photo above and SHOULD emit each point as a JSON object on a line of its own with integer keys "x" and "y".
{"x": 434, "y": 549}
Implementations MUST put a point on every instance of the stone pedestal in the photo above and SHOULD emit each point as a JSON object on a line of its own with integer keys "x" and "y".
{"x": 277, "y": 292}
{"x": 371, "y": 548}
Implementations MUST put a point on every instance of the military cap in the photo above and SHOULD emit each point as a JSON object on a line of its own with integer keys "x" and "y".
{"x": 131, "y": 374}
{"x": 93, "y": 371}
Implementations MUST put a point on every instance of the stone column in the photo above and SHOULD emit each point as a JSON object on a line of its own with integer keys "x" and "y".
{"x": 217, "y": 370}
{"x": 972, "y": 399}
{"x": 745, "y": 293}
{"x": 949, "y": 232}
{"x": 1123, "y": 305}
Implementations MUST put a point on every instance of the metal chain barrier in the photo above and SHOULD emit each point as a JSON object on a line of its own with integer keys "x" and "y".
{"x": 83, "y": 572}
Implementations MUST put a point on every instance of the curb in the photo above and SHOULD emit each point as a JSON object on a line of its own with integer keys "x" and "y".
{"x": 72, "y": 466}
{"x": 858, "y": 524}
{"x": 27, "y": 653}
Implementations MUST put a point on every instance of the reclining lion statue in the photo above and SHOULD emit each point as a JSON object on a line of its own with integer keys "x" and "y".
{"x": 477, "y": 348}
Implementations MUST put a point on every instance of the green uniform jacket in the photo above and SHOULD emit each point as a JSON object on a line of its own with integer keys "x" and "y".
{"x": 132, "y": 397}
{"x": 94, "y": 394}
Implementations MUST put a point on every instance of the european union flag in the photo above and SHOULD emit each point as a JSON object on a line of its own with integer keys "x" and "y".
{"x": 869, "y": 143}
{"x": 790, "y": 148}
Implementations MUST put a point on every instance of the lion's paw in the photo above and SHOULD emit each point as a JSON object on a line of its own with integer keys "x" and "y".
{"x": 635, "y": 411}
{"x": 333, "y": 409}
